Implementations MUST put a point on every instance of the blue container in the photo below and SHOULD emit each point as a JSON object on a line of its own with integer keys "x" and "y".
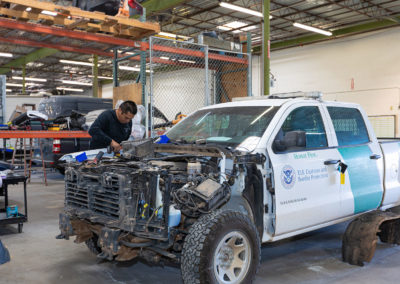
{"x": 12, "y": 211}
{"x": 174, "y": 217}
{"x": 81, "y": 157}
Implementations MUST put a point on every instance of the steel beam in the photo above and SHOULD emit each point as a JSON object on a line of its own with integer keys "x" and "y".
{"x": 21, "y": 61}
{"x": 85, "y": 36}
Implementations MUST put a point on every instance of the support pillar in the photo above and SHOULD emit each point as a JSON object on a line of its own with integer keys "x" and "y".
{"x": 266, "y": 47}
{"x": 95, "y": 73}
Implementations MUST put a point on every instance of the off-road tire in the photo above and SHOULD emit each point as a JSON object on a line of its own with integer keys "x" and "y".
{"x": 92, "y": 245}
{"x": 197, "y": 262}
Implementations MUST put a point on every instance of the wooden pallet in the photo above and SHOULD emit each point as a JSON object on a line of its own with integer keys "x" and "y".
{"x": 73, "y": 18}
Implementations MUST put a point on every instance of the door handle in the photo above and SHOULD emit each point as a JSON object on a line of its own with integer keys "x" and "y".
{"x": 331, "y": 162}
{"x": 375, "y": 157}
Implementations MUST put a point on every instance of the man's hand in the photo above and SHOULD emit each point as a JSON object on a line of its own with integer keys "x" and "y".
{"x": 115, "y": 146}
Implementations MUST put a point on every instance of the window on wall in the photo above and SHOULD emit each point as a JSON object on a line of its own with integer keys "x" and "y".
{"x": 349, "y": 126}
{"x": 303, "y": 129}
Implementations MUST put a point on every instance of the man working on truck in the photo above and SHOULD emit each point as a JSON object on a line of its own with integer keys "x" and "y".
{"x": 112, "y": 127}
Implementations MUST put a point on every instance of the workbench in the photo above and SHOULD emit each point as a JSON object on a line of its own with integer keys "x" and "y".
{"x": 38, "y": 134}
{"x": 20, "y": 218}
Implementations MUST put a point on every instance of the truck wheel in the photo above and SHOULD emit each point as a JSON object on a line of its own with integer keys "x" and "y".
{"x": 221, "y": 247}
{"x": 92, "y": 245}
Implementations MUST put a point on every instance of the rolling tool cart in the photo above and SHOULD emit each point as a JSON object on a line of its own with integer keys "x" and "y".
{"x": 10, "y": 214}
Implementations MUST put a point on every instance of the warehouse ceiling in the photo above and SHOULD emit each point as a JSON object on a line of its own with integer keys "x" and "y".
{"x": 188, "y": 18}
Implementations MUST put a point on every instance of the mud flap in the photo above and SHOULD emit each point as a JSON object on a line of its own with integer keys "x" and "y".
{"x": 361, "y": 236}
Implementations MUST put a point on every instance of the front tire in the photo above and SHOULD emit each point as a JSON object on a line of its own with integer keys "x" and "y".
{"x": 221, "y": 247}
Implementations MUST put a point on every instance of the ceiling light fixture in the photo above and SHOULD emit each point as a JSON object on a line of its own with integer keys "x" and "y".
{"x": 312, "y": 29}
{"x": 13, "y": 85}
{"x": 28, "y": 9}
{"x": 49, "y": 13}
{"x": 241, "y": 9}
{"x": 5, "y": 54}
{"x": 187, "y": 61}
{"x": 129, "y": 68}
{"x": 70, "y": 89}
{"x": 76, "y": 83}
{"x": 29, "y": 79}
{"x": 173, "y": 35}
{"x": 76, "y": 62}
{"x": 101, "y": 77}
{"x": 8, "y": 90}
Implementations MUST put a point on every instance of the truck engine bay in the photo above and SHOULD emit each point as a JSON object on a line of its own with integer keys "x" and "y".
{"x": 144, "y": 202}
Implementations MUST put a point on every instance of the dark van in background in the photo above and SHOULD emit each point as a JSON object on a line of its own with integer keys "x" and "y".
{"x": 63, "y": 106}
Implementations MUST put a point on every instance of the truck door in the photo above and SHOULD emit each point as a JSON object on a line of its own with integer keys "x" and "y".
{"x": 305, "y": 171}
{"x": 363, "y": 186}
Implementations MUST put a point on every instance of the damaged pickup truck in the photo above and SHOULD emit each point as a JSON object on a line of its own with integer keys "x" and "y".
{"x": 232, "y": 176}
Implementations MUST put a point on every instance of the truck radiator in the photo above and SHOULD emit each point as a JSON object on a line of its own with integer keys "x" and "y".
{"x": 99, "y": 194}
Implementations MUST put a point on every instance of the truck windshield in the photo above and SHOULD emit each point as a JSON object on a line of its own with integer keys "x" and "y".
{"x": 230, "y": 126}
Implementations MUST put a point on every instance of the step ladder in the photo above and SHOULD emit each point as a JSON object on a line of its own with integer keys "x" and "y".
{"x": 23, "y": 155}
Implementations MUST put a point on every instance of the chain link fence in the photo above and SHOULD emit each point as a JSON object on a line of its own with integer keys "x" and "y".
{"x": 186, "y": 76}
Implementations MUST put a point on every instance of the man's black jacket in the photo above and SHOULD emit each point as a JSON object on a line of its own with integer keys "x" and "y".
{"x": 107, "y": 127}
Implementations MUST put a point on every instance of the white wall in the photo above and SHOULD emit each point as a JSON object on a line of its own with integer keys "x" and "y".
{"x": 371, "y": 59}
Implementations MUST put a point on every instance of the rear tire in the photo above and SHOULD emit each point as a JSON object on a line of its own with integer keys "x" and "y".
{"x": 221, "y": 247}
{"x": 92, "y": 245}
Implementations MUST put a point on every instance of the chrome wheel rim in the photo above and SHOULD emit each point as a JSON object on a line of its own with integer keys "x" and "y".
{"x": 232, "y": 258}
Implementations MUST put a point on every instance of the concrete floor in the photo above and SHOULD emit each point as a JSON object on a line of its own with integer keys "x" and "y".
{"x": 37, "y": 257}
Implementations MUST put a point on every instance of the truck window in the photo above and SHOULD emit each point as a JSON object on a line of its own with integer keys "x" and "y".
{"x": 349, "y": 126}
{"x": 303, "y": 129}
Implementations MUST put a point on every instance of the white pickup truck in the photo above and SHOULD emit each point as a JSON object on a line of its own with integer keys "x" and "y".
{"x": 232, "y": 176}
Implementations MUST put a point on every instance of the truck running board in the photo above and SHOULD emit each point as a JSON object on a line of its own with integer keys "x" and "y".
{"x": 361, "y": 236}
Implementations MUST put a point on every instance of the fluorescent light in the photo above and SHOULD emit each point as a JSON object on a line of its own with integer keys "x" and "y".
{"x": 5, "y": 54}
{"x": 187, "y": 61}
{"x": 101, "y": 77}
{"x": 49, "y": 13}
{"x": 129, "y": 68}
{"x": 76, "y": 83}
{"x": 173, "y": 35}
{"x": 70, "y": 89}
{"x": 223, "y": 28}
{"x": 249, "y": 28}
{"x": 76, "y": 62}
{"x": 164, "y": 57}
{"x": 308, "y": 28}
{"x": 241, "y": 9}
{"x": 8, "y": 90}
{"x": 13, "y": 85}
{"x": 235, "y": 25}
{"x": 30, "y": 79}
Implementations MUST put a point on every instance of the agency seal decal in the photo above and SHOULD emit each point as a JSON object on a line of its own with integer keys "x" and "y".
{"x": 288, "y": 177}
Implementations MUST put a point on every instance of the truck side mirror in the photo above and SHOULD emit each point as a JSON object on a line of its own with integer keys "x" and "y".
{"x": 279, "y": 145}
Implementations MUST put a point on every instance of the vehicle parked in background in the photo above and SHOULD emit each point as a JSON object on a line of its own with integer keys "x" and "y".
{"x": 58, "y": 107}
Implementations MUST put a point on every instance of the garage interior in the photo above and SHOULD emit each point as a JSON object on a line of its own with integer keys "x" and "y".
{"x": 177, "y": 57}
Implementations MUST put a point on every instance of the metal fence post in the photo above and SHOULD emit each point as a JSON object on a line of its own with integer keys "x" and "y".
{"x": 115, "y": 68}
{"x": 207, "y": 90}
{"x": 250, "y": 65}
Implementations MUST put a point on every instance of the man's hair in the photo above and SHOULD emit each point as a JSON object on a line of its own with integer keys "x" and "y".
{"x": 128, "y": 106}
